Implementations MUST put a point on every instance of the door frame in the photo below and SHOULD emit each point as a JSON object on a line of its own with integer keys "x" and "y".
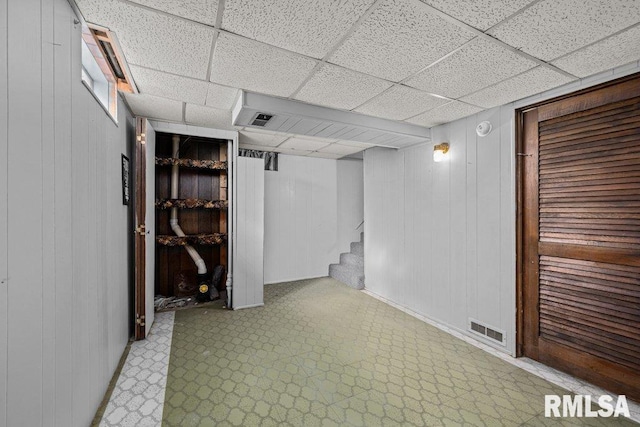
{"x": 140, "y": 162}
{"x": 232, "y": 154}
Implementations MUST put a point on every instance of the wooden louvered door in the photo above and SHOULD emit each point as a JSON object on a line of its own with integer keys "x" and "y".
{"x": 580, "y": 241}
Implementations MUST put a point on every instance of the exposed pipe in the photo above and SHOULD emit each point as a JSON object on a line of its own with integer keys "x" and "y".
{"x": 230, "y": 235}
{"x": 197, "y": 259}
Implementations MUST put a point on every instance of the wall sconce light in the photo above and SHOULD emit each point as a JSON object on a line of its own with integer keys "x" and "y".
{"x": 440, "y": 151}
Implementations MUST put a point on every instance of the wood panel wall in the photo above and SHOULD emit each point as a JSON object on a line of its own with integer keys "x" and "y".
{"x": 450, "y": 254}
{"x": 248, "y": 249}
{"x": 440, "y": 237}
{"x": 63, "y": 229}
{"x": 194, "y": 183}
{"x": 312, "y": 207}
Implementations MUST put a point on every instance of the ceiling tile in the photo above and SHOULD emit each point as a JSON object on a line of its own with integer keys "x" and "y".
{"x": 481, "y": 14}
{"x": 297, "y": 143}
{"x": 257, "y": 147}
{"x": 154, "y": 107}
{"x": 204, "y": 11}
{"x": 551, "y": 28}
{"x": 221, "y": 96}
{"x": 307, "y": 27}
{"x": 610, "y": 53}
{"x": 478, "y": 64}
{"x": 258, "y": 67}
{"x": 444, "y": 114}
{"x": 154, "y": 40}
{"x": 94, "y": 11}
{"x": 262, "y": 138}
{"x": 323, "y": 155}
{"x": 399, "y": 103}
{"x": 340, "y": 149}
{"x": 338, "y": 87}
{"x": 157, "y": 83}
{"x": 208, "y": 117}
{"x": 398, "y": 39}
{"x": 526, "y": 84}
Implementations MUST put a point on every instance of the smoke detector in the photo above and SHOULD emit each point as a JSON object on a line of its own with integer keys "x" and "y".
{"x": 484, "y": 129}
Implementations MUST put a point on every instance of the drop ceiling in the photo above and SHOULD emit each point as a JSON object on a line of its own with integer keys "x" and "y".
{"x": 424, "y": 62}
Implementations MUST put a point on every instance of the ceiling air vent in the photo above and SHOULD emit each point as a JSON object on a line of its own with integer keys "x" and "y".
{"x": 299, "y": 118}
{"x": 487, "y": 332}
{"x": 261, "y": 119}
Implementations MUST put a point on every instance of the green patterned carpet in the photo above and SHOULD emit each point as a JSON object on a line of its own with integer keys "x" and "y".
{"x": 322, "y": 354}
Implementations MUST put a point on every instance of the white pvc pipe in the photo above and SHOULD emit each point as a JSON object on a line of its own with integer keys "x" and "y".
{"x": 197, "y": 259}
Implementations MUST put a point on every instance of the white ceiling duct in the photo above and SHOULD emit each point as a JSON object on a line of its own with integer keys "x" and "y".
{"x": 298, "y": 118}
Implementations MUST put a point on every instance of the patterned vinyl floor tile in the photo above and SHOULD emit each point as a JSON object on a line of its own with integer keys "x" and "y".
{"x": 322, "y": 354}
{"x": 139, "y": 394}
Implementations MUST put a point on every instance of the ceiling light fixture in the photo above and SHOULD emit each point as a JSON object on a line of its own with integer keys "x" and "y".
{"x": 440, "y": 151}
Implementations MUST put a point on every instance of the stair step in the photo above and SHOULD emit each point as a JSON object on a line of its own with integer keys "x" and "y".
{"x": 357, "y": 248}
{"x": 352, "y": 259}
{"x": 348, "y": 274}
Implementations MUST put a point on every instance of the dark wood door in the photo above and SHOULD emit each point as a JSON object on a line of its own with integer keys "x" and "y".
{"x": 580, "y": 235}
{"x": 140, "y": 168}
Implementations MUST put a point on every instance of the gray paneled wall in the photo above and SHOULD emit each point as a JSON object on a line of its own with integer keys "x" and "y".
{"x": 350, "y": 184}
{"x": 64, "y": 302}
{"x": 308, "y": 219}
{"x": 440, "y": 237}
{"x": 248, "y": 249}
{"x": 4, "y": 246}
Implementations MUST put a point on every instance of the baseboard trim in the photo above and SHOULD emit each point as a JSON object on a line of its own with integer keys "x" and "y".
{"x": 294, "y": 280}
{"x": 248, "y": 306}
{"x": 456, "y": 332}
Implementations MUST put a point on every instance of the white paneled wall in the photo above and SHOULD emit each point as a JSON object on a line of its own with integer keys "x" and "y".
{"x": 248, "y": 248}
{"x": 312, "y": 207}
{"x": 350, "y": 184}
{"x": 440, "y": 237}
{"x": 64, "y": 302}
{"x": 384, "y": 227}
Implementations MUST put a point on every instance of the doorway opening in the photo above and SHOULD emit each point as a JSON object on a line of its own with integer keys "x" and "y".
{"x": 191, "y": 201}
{"x": 182, "y": 220}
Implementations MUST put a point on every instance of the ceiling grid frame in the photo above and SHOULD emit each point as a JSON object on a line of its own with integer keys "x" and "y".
{"x": 333, "y": 48}
{"x": 450, "y": 17}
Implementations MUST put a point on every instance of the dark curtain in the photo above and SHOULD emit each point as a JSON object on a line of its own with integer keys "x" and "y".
{"x": 270, "y": 158}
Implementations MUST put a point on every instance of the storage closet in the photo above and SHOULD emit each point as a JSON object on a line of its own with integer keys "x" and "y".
{"x": 199, "y": 207}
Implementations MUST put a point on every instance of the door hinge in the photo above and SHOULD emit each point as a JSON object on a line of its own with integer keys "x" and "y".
{"x": 140, "y": 229}
{"x": 140, "y": 320}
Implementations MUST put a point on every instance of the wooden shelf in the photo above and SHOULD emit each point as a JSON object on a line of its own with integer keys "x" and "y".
{"x": 191, "y": 204}
{"x": 192, "y": 163}
{"x": 202, "y": 200}
{"x": 214, "y": 239}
